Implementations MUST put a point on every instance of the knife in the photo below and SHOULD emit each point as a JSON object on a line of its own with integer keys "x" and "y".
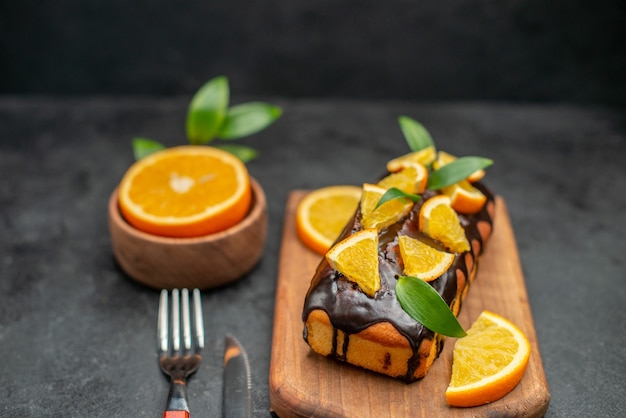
{"x": 236, "y": 398}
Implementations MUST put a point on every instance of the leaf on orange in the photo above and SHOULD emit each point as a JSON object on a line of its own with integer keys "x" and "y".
{"x": 382, "y": 216}
{"x": 444, "y": 158}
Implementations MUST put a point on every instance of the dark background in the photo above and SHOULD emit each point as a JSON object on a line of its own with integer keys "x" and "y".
{"x": 537, "y": 85}
{"x": 506, "y": 50}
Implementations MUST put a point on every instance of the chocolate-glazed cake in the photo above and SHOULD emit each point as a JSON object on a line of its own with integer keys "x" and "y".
{"x": 342, "y": 322}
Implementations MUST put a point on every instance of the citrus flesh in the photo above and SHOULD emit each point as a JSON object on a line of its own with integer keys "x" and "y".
{"x": 487, "y": 363}
{"x": 465, "y": 198}
{"x": 356, "y": 257}
{"x": 439, "y": 221}
{"x": 185, "y": 191}
{"x": 323, "y": 213}
{"x": 412, "y": 178}
{"x": 424, "y": 156}
{"x": 386, "y": 214}
{"x": 421, "y": 260}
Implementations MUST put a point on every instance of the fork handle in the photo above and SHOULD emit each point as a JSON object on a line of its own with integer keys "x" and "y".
{"x": 176, "y": 414}
{"x": 177, "y": 399}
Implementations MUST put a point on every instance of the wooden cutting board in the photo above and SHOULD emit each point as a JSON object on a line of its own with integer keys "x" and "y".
{"x": 305, "y": 384}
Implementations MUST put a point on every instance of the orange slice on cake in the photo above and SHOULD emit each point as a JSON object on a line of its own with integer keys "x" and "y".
{"x": 356, "y": 257}
{"x": 411, "y": 178}
{"x": 424, "y": 156}
{"x": 465, "y": 198}
{"x": 386, "y": 214}
{"x": 440, "y": 222}
{"x": 421, "y": 260}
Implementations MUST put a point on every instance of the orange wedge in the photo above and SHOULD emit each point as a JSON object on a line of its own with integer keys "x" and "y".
{"x": 487, "y": 363}
{"x": 421, "y": 260}
{"x": 439, "y": 221}
{"x": 411, "y": 178}
{"x": 185, "y": 191}
{"x": 444, "y": 158}
{"x": 386, "y": 214}
{"x": 425, "y": 156}
{"x": 464, "y": 197}
{"x": 323, "y": 213}
{"x": 356, "y": 257}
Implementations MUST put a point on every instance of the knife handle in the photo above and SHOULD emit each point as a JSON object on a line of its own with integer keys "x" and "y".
{"x": 176, "y": 414}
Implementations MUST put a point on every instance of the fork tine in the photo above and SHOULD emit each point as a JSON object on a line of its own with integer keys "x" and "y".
{"x": 162, "y": 326}
{"x": 199, "y": 321}
{"x": 186, "y": 321}
{"x": 175, "y": 321}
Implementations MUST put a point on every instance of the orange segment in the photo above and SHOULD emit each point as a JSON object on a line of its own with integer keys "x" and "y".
{"x": 488, "y": 362}
{"x": 439, "y": 221}
{"x": 464, "y": 197}
{"x": 421, "y": 260}
{"x": 356, "y": 257}
{"x": 444, "y": 158}
{"x": 185, "y": 191}
{"x": 411, "y": 178}
{"x": 323, "y": 213}
{"x": 425, "y": 156}
{"x": 386, "y": 214}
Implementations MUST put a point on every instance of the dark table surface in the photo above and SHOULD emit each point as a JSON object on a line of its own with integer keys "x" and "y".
{"x": 77, "y": 336}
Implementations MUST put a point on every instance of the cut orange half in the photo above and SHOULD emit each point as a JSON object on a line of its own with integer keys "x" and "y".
{"x": 185, "y": 191}
{"x": 487, "y": 363}
{"x": 411, "y": 178}
{"x": 356, "y": 257}
{"x": 421, "y": 260}
{"x": 464, "y": 197}
{"x": 323, "y": 213}
{"x": 439, "y": 221}
{"x": 424, "y": 156}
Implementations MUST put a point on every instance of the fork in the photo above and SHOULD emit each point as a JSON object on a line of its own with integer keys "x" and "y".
{"x": 179, "y": 361}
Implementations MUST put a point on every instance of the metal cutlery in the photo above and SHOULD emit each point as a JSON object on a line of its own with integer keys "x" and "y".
{"x": 236, "y": 398}
{"x": 180, "y": 355}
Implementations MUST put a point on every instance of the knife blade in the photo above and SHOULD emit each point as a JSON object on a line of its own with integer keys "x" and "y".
{"x": 236, "y": 397}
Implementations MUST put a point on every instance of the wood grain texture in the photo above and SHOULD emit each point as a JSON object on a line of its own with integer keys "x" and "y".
{"x": 305, "y": 384}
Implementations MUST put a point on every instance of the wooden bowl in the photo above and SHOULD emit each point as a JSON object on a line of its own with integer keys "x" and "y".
{"x": 203, "y": 262}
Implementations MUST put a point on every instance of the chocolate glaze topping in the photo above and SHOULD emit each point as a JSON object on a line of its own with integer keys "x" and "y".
{"x": 351, "y": 311}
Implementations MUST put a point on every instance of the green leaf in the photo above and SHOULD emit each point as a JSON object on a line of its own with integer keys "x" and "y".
{"x": 415, "y": 134}
{"x": 422, "y": 302}
{"x": 143, "y": 147}
{"x": 395, "y": 193}
{"x": 247, "y": 119}
{"x": 456, "y": 171}
{"x": 245, "y": 154}
{"x": 207, "y": 111}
